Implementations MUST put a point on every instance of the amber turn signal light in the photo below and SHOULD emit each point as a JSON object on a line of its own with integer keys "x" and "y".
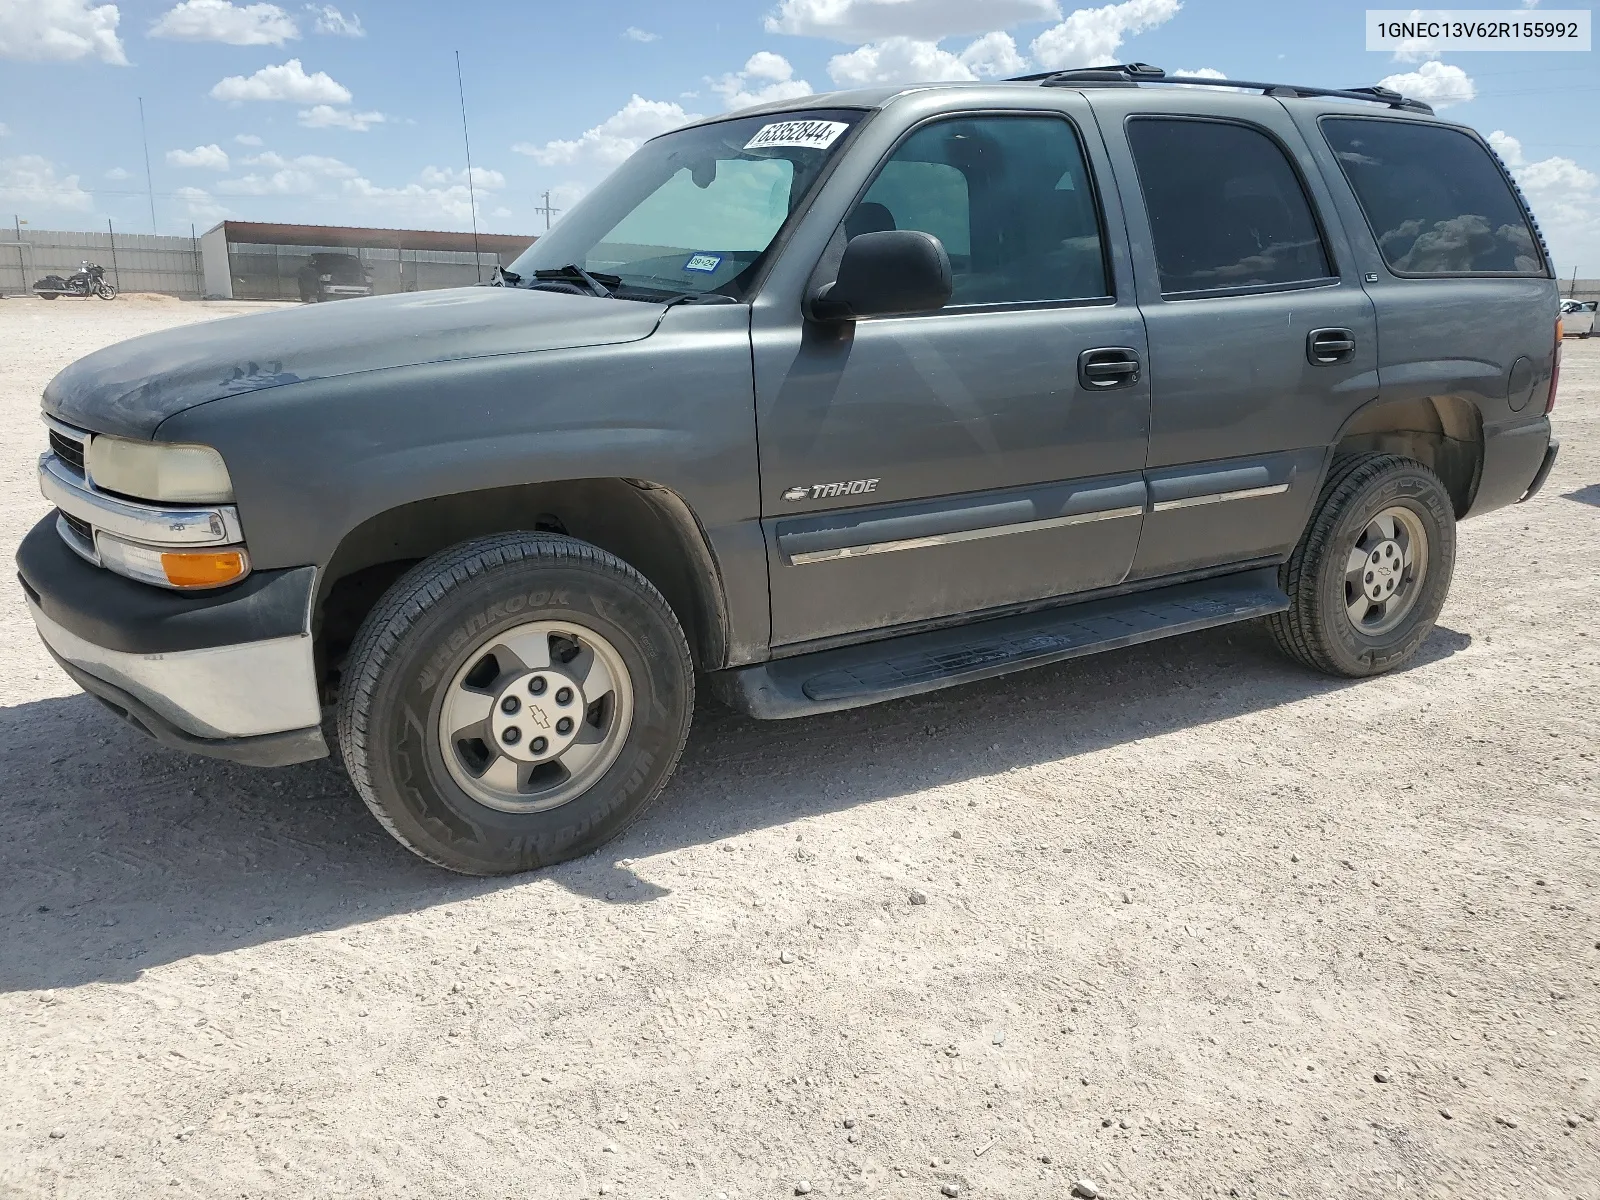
{"x": 203, "y": 568}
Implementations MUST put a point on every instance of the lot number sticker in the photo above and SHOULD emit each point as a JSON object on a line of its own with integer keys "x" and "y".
{"x": 810, "y": 135}
{"x": 703, "y": 262}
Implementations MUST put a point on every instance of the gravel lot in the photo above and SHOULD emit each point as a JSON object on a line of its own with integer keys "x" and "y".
{"x": 1196, "y": 923}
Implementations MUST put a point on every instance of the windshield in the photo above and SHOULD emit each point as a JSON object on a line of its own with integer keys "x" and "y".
{"x": 694, "y": 211}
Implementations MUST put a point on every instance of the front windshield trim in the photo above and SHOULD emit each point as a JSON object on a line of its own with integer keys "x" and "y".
{"x": 646, "y": 224}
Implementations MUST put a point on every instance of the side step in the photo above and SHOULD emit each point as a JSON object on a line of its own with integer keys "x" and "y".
{"x": 853, "y": 676}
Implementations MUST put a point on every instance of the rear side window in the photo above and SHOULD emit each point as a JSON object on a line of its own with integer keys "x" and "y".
{"x": 1437, "y": 202}
{"x": 1010, "y": 198}
{"x": 1226, "y": 207}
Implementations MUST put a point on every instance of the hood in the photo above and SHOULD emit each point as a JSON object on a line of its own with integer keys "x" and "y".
{"x": 131, "y": 387}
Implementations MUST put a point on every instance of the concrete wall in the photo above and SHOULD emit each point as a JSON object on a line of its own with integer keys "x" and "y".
{"x": 135, "y": 262}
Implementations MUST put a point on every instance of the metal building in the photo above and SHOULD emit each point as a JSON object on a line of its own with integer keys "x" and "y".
{"x": 259, "y": 260}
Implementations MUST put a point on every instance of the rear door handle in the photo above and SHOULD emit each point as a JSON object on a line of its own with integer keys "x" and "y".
{"x": 1327, "y": 346}
{"x": 1108, "y": 367}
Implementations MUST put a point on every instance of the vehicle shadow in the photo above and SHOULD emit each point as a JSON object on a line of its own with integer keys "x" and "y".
{"x": 1585, "y": 495}
{"x": 121, "y": 855}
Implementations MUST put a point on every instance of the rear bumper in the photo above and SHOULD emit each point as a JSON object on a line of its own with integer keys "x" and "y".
{"x": 229, "y": 674}
{"x": 1516, "y": 458}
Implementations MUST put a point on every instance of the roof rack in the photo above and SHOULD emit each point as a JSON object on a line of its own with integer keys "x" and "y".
{"x": 1133, "y": 74}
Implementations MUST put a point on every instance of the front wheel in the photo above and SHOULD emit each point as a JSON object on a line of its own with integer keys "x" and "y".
{"x": 515, "y": 701}
{"x": 1371, "y": 572}
{"x": 106, "y": 291}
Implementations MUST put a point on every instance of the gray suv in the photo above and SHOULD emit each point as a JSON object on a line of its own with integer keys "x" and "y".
{"x": 819, "y": 404}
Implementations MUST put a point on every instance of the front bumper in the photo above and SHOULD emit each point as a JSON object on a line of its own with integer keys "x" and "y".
{"x": 229, "y": 674}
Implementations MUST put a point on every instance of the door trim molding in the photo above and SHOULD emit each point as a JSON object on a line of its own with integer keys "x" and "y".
{"x": 1218, "y": 497}
{"x": 804, "y": 557}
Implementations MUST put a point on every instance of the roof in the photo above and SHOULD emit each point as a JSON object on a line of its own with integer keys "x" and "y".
{"x": 363, "y": 238}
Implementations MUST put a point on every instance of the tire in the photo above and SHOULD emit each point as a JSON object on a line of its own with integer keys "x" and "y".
{"x": 467, "y": 623}
{"x": 46, "y": 295}
{"x": 106, "y": 291}
{"x": 1398, "y": 517}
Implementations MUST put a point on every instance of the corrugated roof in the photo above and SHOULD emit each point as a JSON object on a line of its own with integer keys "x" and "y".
{"x": 270, "y": 233}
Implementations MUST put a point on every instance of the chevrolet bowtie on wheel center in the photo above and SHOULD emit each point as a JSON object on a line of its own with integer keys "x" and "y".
{"x": 829, "y": 402}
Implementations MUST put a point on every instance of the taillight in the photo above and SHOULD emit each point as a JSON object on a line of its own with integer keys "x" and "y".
{"x": 1555, "y": 371}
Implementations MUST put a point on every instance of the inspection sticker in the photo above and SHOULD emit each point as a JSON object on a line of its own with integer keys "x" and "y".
{"x": 703, "y": 262}
{"x": 812, "y": 135}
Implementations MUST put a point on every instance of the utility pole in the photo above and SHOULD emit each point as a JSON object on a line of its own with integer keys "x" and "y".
{"x": 150, "y": 188}
{"x": 472, "y": 196}
{"x": 547, "y": 211}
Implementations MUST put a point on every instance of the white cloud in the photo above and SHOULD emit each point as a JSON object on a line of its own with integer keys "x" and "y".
{"x": 4, "y": 131}
{"x": 897, "y": 60}
{"x": 1200, "y": 72}
{"x": 482, "y": 177}
{"x": 331, "y": 21}
{"x": 60, "y": 31}
{"x": 318, "y": 164}
{"x": 1091, "y": 36}
{"x": 924, "y": 20}
{"x": 31, "y": 181}
{"x": 278, "y": 183}
{"x": 212, "y": 157}
{"x": 283, "y": 176}
{"x": 118, "y": 174}
{"x": 1564, "y": 196}
{"x": 766, "y": 77}
{"x": 634, "y": 34}
{"x": 994, "y": 54}
{"x": 325, "y": 116}
{"x": 416, "y": 204}
{"x": 1436, "y": 83}
{"x": 618, "y": 136}
{"x": 222, "y": 21}
{"x": 199, "y": 204}
{"x": 247, "y": 139}
{"x": 286, "y": 82}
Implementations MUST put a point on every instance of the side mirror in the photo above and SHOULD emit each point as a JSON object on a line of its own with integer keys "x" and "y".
{"x": 894, "y": 273}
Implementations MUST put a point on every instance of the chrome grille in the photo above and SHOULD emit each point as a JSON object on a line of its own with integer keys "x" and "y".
{"x": 68, "y": 450}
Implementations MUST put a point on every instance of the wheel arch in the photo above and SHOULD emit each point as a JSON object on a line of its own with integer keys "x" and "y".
{"x": 1443, "y": 433}
{"x": 645, "y": 524}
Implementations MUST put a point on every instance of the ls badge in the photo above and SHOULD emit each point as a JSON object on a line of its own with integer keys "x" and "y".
{"x": 828, "y": 491}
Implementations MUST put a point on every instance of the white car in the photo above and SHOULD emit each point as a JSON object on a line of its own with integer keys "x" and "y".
{"x": 1577, "y": 318}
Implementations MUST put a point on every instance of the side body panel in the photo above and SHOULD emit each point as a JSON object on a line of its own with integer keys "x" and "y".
{"x": 996, "y": 479}
{"x": 1240, "y": 417}
{"x": 1450, "y": 340}
{"x": 312, "y": 461}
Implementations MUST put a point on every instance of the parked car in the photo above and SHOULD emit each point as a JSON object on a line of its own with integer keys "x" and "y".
{"x": 1577, "y": 318}
{"x": 828, "y": 402}
{"x": 333, "y": 277}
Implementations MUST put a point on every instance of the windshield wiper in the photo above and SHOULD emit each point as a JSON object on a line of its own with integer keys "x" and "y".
{"x": 598, "y": 283}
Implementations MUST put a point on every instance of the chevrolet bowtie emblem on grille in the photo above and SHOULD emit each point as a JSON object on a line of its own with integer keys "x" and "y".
{"x": 827, "y": 491}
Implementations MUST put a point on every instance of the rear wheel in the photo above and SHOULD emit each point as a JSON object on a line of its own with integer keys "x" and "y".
{"x": 1371, "y": 572}
{"x": 515, "y": 701}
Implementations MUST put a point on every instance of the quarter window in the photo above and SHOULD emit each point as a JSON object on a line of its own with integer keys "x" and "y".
{"x": 1009, "y": 197}
{"x": 1225, "y": 205}
{"x": 1437, "y": 202}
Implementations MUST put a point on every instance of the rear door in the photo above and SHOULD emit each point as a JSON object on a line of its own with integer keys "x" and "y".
{"x": 923, "y": 467}
{"x": 1262, "y": 339}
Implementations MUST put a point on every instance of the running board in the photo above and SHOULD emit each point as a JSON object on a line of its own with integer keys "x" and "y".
{"x": 853, "y": 676}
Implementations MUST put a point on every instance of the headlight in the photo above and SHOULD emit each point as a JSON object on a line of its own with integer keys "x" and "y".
{"x": 166, "y": 473}
{"x": 325, "y": 278}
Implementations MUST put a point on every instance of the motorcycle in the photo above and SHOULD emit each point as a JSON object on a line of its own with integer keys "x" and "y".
{"x": 89, "y": 280}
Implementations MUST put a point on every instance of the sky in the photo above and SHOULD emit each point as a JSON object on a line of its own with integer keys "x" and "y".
{"x": 349, "y": 114}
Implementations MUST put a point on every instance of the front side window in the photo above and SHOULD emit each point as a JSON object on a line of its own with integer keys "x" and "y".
{"x": 695, "y": 211}
{"x": 1225, "y": 205}
{"x": 1436, "y": 201}
{"x": 1010, "y": 198}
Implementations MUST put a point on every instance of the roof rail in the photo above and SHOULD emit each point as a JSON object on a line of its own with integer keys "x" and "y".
{"x": 1133, "y": 74}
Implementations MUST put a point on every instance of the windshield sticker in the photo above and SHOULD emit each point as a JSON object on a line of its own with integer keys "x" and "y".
{"x": 812, "y": 135}
{"x": 703, "y": 262}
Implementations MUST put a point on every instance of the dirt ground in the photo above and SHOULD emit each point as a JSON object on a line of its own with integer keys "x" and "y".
{"x": 1197, "y": 923}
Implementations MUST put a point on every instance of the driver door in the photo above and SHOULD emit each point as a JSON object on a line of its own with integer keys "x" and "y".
{"x": 918, "y": 468}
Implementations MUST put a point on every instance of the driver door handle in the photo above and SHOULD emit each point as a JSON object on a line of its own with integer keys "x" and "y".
{"x": 1108, "y": 367}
